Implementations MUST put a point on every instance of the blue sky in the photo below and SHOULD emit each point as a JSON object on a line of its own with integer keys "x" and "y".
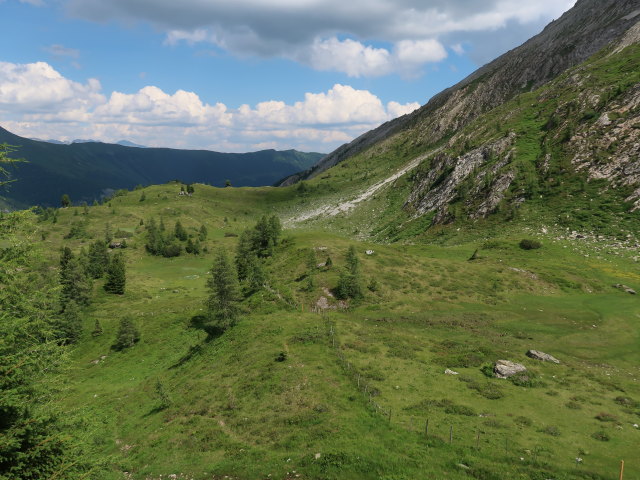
{"x": 242, "y": 75}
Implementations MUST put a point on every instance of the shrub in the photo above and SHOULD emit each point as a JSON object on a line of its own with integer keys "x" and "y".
{"x": 601, "y": 436}
{"x": 128, "y": 334}
{"x": 528, "y": 244}
{"x": 606, "y": 417}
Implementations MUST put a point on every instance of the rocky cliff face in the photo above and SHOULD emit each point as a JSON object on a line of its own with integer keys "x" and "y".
{"x": 579, "y": 33}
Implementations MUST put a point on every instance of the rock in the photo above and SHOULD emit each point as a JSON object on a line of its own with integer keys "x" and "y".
{"x": 450, "y": 372}
{"x": 369, "y": 252}
{"x": 543, "y": 357}
{"x": 625, "y": 288}
{"x": 507, "y": 368}
{"x": 115, "y": 245}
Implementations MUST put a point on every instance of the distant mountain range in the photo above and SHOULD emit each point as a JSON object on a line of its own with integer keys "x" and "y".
{"x": 88, "y": 170}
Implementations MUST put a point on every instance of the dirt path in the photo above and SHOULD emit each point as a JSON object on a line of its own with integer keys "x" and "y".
{"x": 342, "y": 206}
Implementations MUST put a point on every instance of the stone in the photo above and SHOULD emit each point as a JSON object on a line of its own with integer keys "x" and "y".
{"x": 543, "y": 357}
{"x": 369, "y": 252}
{"x": 450, "y": 372}
{"x": 507, "y": 368}
{"x": 625, "y": 288}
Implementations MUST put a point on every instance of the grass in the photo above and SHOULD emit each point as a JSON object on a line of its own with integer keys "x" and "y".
{"x": 236, "y": 411}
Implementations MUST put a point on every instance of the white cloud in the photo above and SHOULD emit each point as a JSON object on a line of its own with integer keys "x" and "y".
{"x": 308, "y": 30}
{"x": 37, "y": 101}
{"x": 37, "y": 87}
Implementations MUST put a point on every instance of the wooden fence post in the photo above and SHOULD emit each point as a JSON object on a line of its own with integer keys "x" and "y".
{"x": 621, "y": 469}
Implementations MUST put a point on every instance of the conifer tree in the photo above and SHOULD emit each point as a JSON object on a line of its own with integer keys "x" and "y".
{"x": 97, "y": 329}
{"x": 203, "y": 233}
{"x": 179, "y": 231}
{"x": 76, "y": 285}
{"x": 223, "y": 302}
{"x": 190, "y": 189}
{"x": 98, "y": 259}
{"x": 108, "y": 234}
{"x": 65, "y": 201}
{"x": 349, "y": 282}
{"x": 70, "y": 323}
{"x": 128, "y": 334}
{"x": 116, "y": 276}
{"x": 244, "y": 251}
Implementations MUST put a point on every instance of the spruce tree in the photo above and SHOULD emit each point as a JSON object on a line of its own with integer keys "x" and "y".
{"x": 98, "y": 259}
{"x": 70, "y": 323}
{"x": 128, "y": 334}
{"x": 179, "y": 231}
{"x": 65, "y": 201}
{"x": 244, "y": 251}
{"x": 203, "y": 233}
{"x": 97, "y": 329}
{"x": 223, "y": 302}
{"x": 116, "y": 277}
{"x": 76, "y": 285}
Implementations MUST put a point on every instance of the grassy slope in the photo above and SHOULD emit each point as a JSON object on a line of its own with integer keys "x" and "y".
{"x": 238, "y": 412}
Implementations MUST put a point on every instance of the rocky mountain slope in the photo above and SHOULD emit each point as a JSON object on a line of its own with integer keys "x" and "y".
{"x": 582, "y": 31}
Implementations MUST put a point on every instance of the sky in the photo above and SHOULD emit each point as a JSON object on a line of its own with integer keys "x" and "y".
{"x": 242, "y": 75}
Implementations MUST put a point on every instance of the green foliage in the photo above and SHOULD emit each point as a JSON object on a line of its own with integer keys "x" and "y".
{"x": 98, "y": 259}
{"x": 33, "y": 443}
{"x": 70, "y": 323}
{"x": 161, "y": 393}
{"x": 127, "y": 335}
{"x": 116, "y": 275}
{"x": 179, "y": 232}
{"x": 65, "y": 201}
{"x": 349, "y": 281}
{"x": 528, "y": 244}
{"x": 202, "y": 233}
{"x": 223, "y": 301}
{"x": 97, "y": 329}
{"x": 76, "y": 285}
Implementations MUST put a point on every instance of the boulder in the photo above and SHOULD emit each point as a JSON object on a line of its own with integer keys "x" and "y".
{"x": 507, "y": 368}
{"x": 625, "y": 288}
{"x": 543, "y": 357}
{"x": 450, "y": 372}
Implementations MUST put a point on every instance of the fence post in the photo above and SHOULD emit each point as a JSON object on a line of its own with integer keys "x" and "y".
{"x": 450, "y": 434}
{"x": 621, "y": 469}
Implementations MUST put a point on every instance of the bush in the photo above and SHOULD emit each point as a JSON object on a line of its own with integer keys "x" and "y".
{"x": 527, "y": 244}
{"x": 171, "y": 250}
{"x": 128, "y": 334}
{"x": 601, "y": 436}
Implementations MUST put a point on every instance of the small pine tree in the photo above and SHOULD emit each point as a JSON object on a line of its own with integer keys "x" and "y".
{"x": 143, "y": 197}
{"x": 328, "y": 262}
{"x": 116, "y": 276}
{"x": 108, "y": 234}
{"x": 70, "y": 323}
{"x": 97, "y": 329}
{"x": 179, "y": 232}
{"x": 189, "y": 246}
{"x": 98, "y": 259}
{"x": 227, "y": 183}
{"x": 190, "y": 189}
{"x": 85, "y": 208}
{"x": 65, "y": 201}
{"x": 222, "y": 304}
{"x": 202, "y": 234}
{"x": 76, "y": 285}
{"x": 128, "y": 334}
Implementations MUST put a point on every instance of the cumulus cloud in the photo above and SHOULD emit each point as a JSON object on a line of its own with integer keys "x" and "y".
{"x": 37, "y": 101}
{"x": 308, "y": 31}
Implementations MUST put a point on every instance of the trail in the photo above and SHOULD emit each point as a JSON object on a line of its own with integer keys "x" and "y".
{"x": 342, "y": 206}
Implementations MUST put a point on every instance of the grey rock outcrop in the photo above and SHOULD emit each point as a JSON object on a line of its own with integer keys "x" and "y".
{"x": 625, "y": 288}
{"x": 566, "y": 42}
{"x": 543, "y": 357}
{"x": 507, "y": 368}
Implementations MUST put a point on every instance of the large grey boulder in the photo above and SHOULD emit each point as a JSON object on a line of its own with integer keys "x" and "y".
{"x": 543, "y": 357}
{"x": 507, "y": 368}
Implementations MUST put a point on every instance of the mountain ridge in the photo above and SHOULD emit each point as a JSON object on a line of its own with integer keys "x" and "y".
{"x": 576, "y": 35}
{"x": 86, "y": 171}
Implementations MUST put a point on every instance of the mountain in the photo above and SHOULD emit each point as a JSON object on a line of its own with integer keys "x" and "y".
{"x": 579, "y": 33}
{"x": 547, "y": 131}
{"x": 86, "y": 171}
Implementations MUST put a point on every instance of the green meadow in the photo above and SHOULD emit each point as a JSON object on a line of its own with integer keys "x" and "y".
{"x": 307, "y": 386}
